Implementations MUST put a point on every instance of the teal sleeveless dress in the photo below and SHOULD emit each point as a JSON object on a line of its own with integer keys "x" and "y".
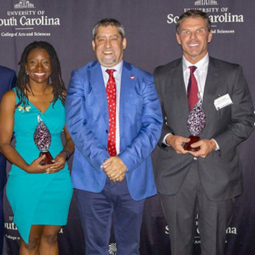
{"x": 38, "y": 199}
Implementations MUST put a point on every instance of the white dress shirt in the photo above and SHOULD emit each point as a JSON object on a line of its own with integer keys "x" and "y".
{"x": 200, "y": 73}
{"x": 117, "y": 77}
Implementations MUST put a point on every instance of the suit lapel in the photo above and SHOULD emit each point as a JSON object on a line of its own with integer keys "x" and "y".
{"x": 129, "y": 100}
{"x": 211, "y": 92}
{"x": 98, "y": 88}
{"x": 211, "y": 87}
{"x": 126, "y": 80}
{"x": 178, "y": 87}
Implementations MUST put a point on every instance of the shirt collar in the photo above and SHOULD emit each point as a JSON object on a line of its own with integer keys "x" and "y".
{"x": 201, "y": 64}
{"x": 118, "y": 69}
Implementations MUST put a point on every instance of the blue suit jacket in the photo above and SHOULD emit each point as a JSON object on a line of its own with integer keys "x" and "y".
{"x": 87, "y": 121}
{"x": 7, "y": 82}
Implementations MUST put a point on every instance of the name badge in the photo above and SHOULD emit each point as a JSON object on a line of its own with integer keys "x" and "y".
{"x": 222, "y": 102}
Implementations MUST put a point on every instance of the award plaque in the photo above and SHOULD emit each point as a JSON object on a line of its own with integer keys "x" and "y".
{"x": 195, "y": 124}
{"x": 42, "y": 139}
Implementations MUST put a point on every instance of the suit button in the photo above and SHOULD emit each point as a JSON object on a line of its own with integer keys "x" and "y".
{"x": 106, "y": 131}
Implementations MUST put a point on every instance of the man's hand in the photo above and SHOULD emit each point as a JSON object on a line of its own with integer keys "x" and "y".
{"x": 120, "y": 179}
{"x": 114, "y": 168}
{"x": 176, "y": 142}
{"x": 206, "y": 147}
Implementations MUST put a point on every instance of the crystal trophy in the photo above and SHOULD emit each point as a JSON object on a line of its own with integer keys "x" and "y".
{"x": 42, "y": 139}
{"x": 195, "y": 124}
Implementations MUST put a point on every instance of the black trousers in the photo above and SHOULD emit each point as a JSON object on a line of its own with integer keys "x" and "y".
{"x": 180, "y": 211}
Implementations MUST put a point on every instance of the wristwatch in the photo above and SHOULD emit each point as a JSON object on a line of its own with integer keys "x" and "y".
{"x": 68, "y": 154}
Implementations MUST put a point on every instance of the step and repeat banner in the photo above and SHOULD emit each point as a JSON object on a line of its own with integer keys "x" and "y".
{"x": 150, "y": 31}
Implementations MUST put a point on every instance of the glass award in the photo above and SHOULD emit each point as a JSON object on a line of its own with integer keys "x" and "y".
{"x": 42, "y": 139}
{"x": 195, "y": 123}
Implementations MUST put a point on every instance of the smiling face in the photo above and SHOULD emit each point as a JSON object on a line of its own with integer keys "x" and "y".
{"x": 38, "y": 66}
{"x": 109, "y": 46}
{"x": 194, "y": 38}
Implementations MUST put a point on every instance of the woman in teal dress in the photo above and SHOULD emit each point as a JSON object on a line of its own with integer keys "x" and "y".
{"x": 39, "y": 194}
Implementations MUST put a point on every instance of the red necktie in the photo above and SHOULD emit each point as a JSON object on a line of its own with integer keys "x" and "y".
{"x": 111, "y": 99}
{"x": 192, "y": 88}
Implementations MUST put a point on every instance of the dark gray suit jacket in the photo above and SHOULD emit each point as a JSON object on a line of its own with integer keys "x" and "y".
{"x": 220, "y": 171}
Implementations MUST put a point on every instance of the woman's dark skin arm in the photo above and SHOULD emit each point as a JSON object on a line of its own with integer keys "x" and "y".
{"x": 7, "y": 109}
{"x": 61, "y": 157}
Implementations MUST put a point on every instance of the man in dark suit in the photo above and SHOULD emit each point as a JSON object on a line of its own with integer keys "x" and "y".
{"x": 206, "y": 180}
{"x": 114, "y": 118}
{"x": 7, "y": 82}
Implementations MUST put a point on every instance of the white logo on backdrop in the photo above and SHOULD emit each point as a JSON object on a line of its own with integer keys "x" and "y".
{"x": 27, "y": 21}
{"x": 206, "y": 2}
{"x": 217, "y": 14}
{"x": 24, "y": 4}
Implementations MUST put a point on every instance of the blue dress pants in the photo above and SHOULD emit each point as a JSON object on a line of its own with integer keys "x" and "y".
{"x": 112, "y": 206}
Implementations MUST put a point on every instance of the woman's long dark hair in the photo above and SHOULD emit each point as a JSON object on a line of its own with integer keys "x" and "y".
{"x": 59, "y": 90}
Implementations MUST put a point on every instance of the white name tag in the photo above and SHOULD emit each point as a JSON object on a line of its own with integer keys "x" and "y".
{"x": 222, "y": 102}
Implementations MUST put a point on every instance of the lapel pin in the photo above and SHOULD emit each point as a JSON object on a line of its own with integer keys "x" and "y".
{"x": 132, "y": 77}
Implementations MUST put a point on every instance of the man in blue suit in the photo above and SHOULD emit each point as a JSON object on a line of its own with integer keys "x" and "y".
{"x": 112, "y": 185}
{"x": 7, "y": 82}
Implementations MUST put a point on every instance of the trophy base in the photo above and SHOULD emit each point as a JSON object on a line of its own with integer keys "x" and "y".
{"x": 48, "y": 158}
{"x": 193, "y": 139}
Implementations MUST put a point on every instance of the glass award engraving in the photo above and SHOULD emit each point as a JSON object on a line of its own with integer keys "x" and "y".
{"x": 42, "y": 139}
{"x": 195, "y": 123}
